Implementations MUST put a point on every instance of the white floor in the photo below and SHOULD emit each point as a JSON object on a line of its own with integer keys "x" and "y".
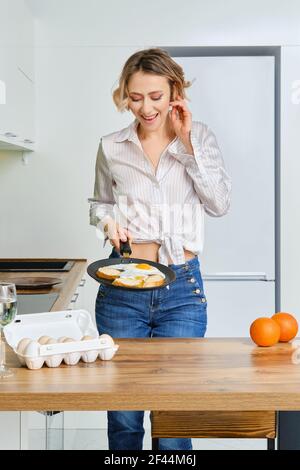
{"x": 95, "y": 439}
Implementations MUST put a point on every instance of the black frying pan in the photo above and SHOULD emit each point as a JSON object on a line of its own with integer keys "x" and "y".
{"x": 125, "y": 252}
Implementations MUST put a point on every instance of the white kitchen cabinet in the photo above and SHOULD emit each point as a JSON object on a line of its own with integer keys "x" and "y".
{"x": 78, "y": 299}
{"x": 10, "y": 422}
{"x": 17, "y": 113}
{"x": 17, "y": 74}
{"x": 6, "y": 76}
{"x": 24, "y": 93}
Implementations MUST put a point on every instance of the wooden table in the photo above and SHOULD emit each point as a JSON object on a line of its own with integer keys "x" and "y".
{"x": 164, "y": 374}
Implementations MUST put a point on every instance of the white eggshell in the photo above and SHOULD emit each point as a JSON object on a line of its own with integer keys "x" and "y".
{"x": 43, "y": 339}
{"x": 22, "y": 345}
{"x": 107, "y": 340}
{"x": 32, "y": 355}
{"x": 61, "y": 339}
{"x": 87, "y": 337}
{"x": 51, "y": 341}
{"x": 32, "y": 349}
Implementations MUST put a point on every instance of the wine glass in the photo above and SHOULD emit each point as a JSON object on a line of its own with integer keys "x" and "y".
{"x": 8, "y": 310}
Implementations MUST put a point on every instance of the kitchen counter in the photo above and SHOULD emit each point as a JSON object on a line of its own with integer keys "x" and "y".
{"x": 64, "y": 292}
{"x": 163, "y": 374}
{"x": 62, "y": 296}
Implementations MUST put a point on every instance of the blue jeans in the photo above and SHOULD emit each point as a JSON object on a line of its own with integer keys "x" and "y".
{"x": 178, "y": 310}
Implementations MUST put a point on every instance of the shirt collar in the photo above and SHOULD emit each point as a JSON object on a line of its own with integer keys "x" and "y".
{"x": 130, "y": 133}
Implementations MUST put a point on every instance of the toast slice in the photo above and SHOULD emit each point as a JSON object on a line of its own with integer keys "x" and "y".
{"x": 108, "y": 273}
{"x": 128, "y": 282}
{"x": 154, "y": 281}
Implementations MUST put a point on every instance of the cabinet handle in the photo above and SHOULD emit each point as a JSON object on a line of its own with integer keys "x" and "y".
{"x": 82, "y": 283}
{"x": 236, "y": 276}
{"x": 74, "y": 298}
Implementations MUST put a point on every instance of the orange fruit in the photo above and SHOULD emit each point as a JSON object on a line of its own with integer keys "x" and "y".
{"x": 288, "y": 326}
{"x": 265, "y": 331}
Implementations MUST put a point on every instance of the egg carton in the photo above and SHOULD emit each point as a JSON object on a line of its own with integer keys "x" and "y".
{"x": 74, "y": 324}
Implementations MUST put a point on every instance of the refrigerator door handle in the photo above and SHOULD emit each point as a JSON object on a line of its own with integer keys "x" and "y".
{"x": 236, "y": 276}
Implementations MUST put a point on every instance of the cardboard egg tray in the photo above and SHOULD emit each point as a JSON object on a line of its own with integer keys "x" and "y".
{"x": 70, "y": 323}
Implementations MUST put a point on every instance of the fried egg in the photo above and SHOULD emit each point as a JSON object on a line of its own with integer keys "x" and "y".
{"x": 121, "y": 267}
{"x": 132, "y": 275}
{"x": 141, "y": 272}
{"x": 133, "y": 270}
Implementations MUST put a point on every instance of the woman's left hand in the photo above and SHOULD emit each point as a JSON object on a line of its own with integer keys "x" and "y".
{"x": 181, "y": 118}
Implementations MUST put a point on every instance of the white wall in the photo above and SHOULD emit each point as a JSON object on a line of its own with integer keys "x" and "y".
{"x": 81, "y": 46}
{"x": 16, "y": 24}
{"x": 17, "y": 45}
{"x": 167, "y": 22}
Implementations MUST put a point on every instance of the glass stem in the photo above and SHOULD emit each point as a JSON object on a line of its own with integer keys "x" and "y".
{"x": 2, "y": 350}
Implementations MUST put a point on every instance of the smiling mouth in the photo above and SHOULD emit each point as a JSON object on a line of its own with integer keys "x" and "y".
{"x": 150, "y": 119}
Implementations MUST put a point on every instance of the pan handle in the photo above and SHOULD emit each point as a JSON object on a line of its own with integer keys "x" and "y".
{"x": 125, "y": 248}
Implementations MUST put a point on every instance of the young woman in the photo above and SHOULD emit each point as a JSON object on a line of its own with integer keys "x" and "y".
{"x": 154, "y": 181}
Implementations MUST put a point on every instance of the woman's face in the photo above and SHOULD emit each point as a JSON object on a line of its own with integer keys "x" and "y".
{"x": 149, "y": 97}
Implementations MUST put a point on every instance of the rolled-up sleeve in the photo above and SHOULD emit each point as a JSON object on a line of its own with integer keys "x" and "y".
{"x": 207, "y": 170}
{"x": 102, "y": 203}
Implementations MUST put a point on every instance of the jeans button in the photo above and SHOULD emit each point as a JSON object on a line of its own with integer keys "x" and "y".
{"x": 192, "y": 280}
{"x": 197, "y": 291}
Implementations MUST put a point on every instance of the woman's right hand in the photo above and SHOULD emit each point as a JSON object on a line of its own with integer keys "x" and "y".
{"x": 116, "y": 233}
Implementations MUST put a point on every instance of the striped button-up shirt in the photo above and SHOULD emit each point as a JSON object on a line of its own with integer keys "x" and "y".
{"x": 165, "y": 205}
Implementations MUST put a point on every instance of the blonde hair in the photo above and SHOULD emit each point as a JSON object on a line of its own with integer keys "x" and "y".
{"x": 153, "y": 61}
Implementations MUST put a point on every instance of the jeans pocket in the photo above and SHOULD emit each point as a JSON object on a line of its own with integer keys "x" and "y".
{"x": 102, "y": 291}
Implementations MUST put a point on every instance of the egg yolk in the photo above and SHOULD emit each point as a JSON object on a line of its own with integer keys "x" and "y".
{"x": 143, "y": 266}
